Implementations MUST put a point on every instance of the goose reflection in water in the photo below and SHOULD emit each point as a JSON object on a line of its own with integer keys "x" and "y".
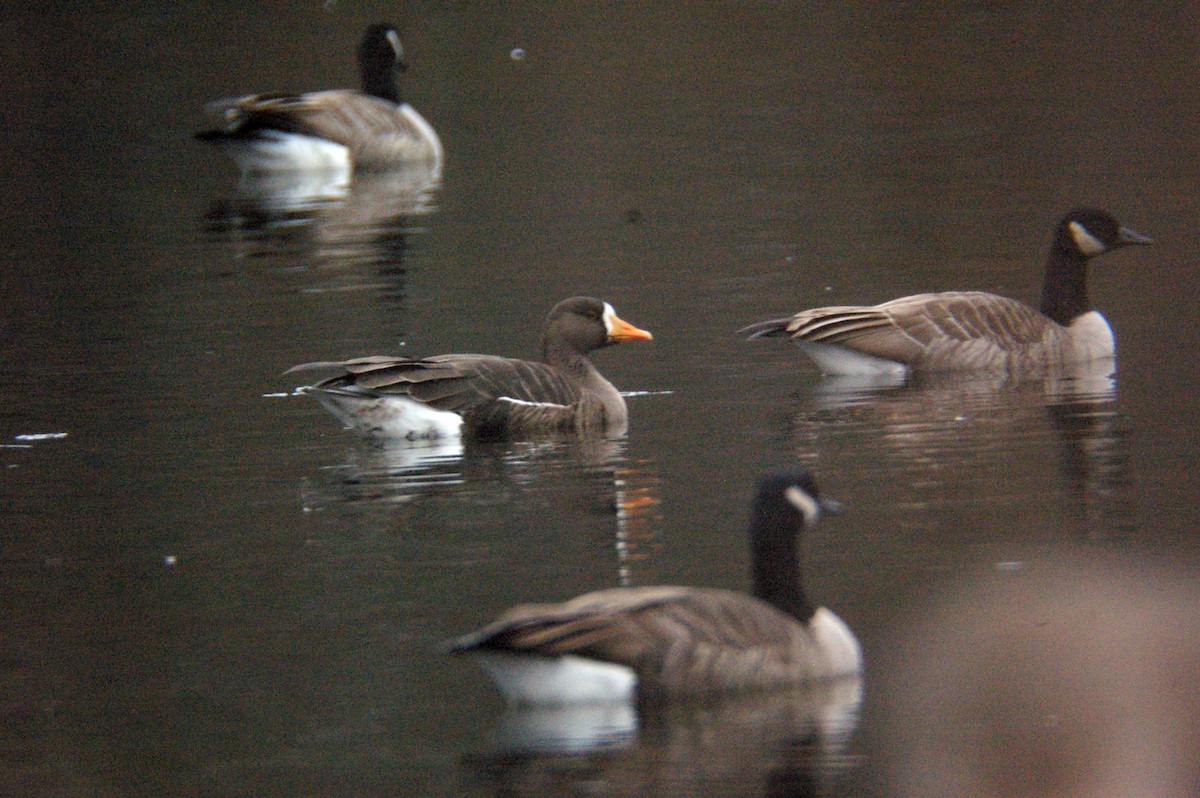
{"x": 589, "y": 479}
{"x": 337, "y": 219}
{"x": 793, "y": 742}
{"x": 936, "y": 429}
{"x": 347, "y": 238}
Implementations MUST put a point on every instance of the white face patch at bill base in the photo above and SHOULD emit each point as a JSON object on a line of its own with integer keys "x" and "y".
{"x": 1088, "y": 244}
{"x": 609, "y": 316}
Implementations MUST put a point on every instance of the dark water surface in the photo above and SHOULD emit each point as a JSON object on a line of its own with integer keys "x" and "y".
{"x": 211, "y": 589}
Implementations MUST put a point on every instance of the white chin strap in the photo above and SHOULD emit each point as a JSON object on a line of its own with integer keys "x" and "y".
{"x": 1088, "y": 244}
{"x": 806, "y": 504}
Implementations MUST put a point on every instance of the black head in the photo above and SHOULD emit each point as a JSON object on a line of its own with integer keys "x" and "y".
{"x": 1089, "y": 232}
{"x": 787, "y": 502}
{"x": 792, "y": 494}
{"x": 380, "y": 56}
{"x": 585, "y": 323}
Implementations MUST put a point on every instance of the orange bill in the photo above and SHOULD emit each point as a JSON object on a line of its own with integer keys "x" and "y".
{"x": 621, "y": 330}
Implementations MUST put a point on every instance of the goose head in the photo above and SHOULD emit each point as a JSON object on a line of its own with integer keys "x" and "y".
{"x": 787, "y": 503}
{"x": 789, "y": 499}
{"x": 1088, "y": 232}
{"x": 583, "y": 324}
{"x": 380, "y": 58}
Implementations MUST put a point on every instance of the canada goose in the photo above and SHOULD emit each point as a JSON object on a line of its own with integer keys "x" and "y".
{"x": 485, "y": 396}
{"x": 333, "y": 130}
{"x": 661, "y": 642}
{"x": 971, "y": 330}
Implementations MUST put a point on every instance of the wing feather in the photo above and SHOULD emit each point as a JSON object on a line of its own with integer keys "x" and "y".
{"x": 603, "y": 624}
{"x": 929, "y": 329}
{"x": 375, "y": 130}
{"x": 491, "y": 393}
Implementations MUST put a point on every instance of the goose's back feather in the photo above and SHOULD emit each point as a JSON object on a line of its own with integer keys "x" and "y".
{"x": 487, "y": 395}
{"x": 678, "y": 639}
{"x": 376, "y": 132}
{"x": 492, "y": 394}
{"x": 941, "y": 331}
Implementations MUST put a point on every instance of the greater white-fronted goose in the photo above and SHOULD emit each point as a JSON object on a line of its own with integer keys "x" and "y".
{"x": 654, "y": 643}
{"x": 485, "y": 396}
{"x": 332, "y": 130}
{"x": 972, "y": 330}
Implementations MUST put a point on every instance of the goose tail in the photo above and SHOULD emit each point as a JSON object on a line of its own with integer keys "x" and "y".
{"x": 773, "y": 328}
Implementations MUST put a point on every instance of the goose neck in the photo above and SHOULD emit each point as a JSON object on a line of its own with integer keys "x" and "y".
{"x": 775, "y": 563}
{"x": 380, "y": 82}
{"x": 558, "y": 353}
{"x": 1064, "y": 287}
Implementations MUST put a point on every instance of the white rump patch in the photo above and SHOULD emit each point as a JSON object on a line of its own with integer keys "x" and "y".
{"x": 390, "y": 417}
{"x": 531, "y": 679}
{"x": 1088, "y": 244}
{"x": 273, "y": 151}
{"x": 842, "y": 361}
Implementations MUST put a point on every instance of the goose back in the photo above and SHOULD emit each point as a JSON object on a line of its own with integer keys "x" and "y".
{"x": 271, "y": 132}
{"x": 673, "y": 641}
{"x": 972, "y": 330}
{"x": 488, "y": 396}
{"x": 948, "y": 331}
{"x": 495, "y": 396}
{"x": 376, "y": 133}
{"x": 679, "y": 640}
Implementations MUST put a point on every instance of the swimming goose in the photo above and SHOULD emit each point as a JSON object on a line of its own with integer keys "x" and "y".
{"x": 654, "y": 643}
{"x": 971, "y": 330}
{"x": 337, "y": 129}
{"x": 486, "y": 396}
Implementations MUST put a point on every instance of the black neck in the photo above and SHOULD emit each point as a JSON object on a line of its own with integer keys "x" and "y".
{"x": 775, "y": 564}
{"x": 379, "y": 81}
{"x": 1064, "y": 289}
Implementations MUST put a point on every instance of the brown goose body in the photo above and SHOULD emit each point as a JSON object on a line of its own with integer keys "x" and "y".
{"x": 971, "y": 330}
{"x": 665, "y": 642}
{"x": 486, "y": 395}
{"x": 336, "y": 128}
{"x": 948, "y": 331}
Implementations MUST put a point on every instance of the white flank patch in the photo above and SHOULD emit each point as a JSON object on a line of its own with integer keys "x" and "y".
{"x": 628, "y": 394}
{"x": 1088, "y": 244}
{"x": 526, "y": 403}
{"x": 557, "y": 680}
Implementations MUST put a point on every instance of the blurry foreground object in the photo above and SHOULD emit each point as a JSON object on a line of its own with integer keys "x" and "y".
{"x": 1071, "y": 677}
